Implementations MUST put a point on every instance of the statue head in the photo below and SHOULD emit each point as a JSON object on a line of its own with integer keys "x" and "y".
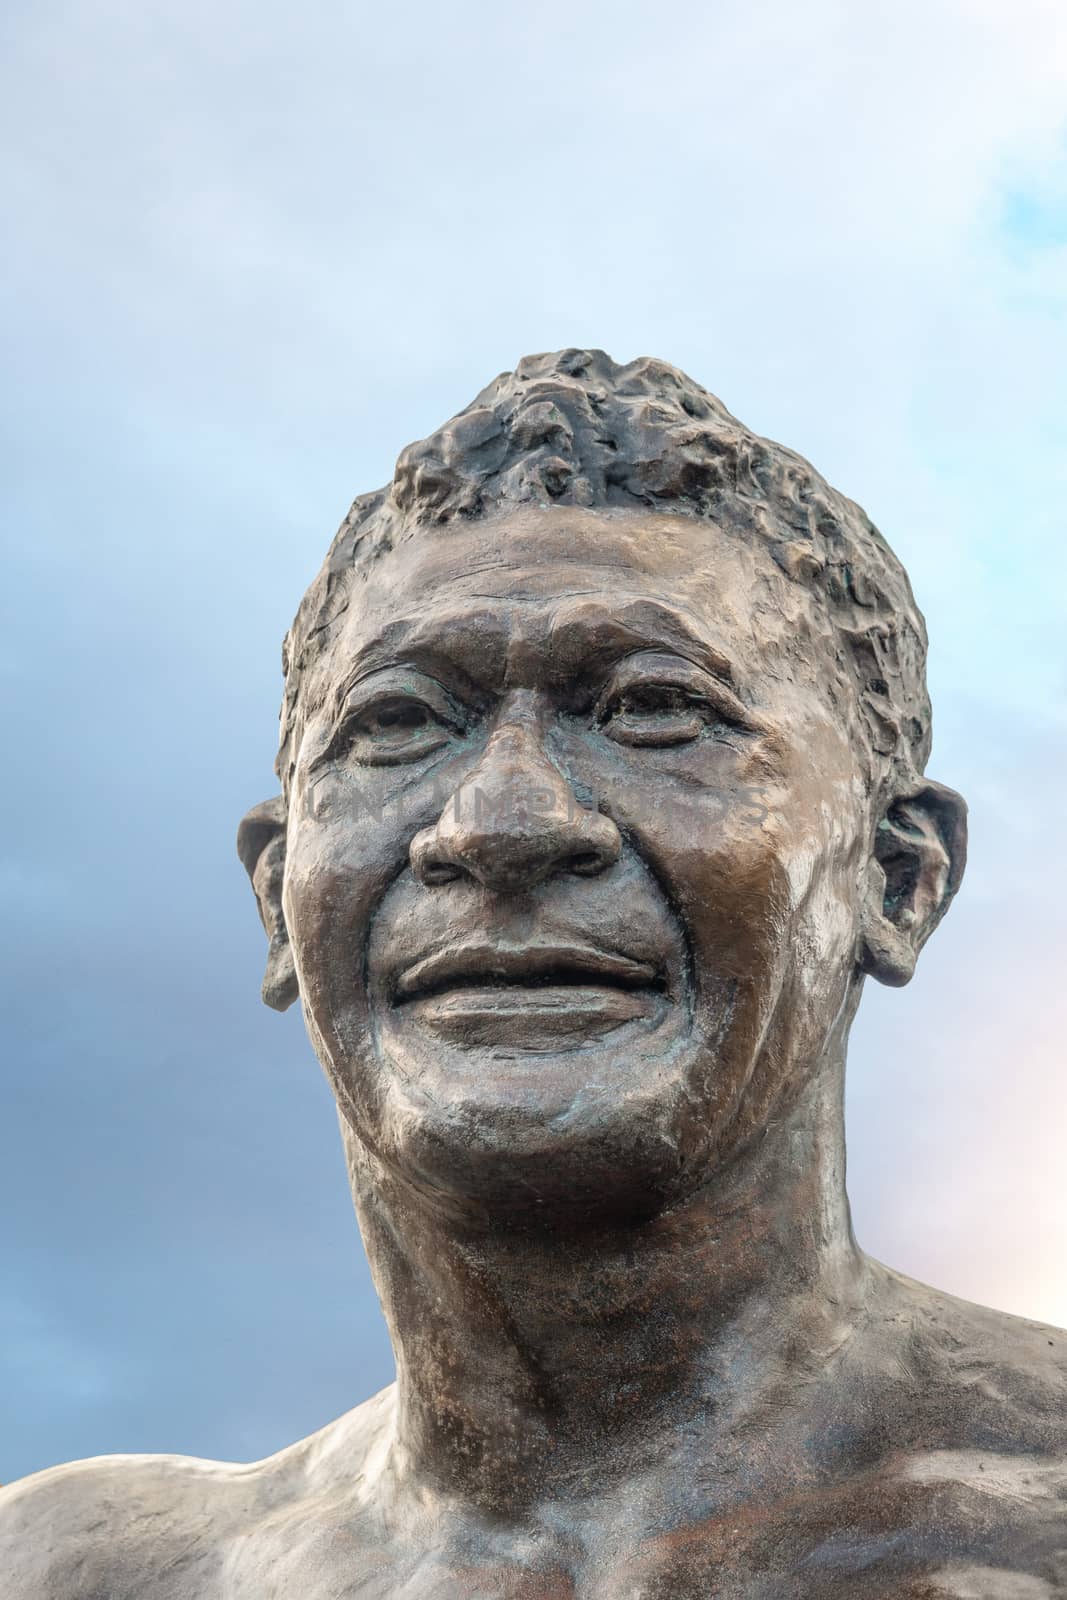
{"x": 602, "y": 756}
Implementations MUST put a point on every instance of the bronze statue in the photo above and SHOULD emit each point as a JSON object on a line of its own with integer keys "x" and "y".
{"x": 602, "y": 761}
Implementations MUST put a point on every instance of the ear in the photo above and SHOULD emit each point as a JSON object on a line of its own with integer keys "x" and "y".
{"x": 920, "y": 847}
{"x": 261, "y": 847}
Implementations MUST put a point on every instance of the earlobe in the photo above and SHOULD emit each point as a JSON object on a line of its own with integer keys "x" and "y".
{"x": 261, "y": 847}
{"x": 916, "y": 865}
{"x": 280, "y": 984}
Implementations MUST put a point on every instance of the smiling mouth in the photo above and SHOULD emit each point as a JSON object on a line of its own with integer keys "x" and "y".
{"x": 532, "y": 996}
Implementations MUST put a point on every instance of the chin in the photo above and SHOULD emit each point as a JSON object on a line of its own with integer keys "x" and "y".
{"x": 595, "y": 1134}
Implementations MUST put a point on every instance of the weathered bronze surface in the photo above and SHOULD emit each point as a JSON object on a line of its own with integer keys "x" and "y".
{"x": 602, "y": 763}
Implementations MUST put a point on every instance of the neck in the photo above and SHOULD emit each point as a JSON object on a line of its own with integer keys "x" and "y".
{"x": 525, "y": 1359}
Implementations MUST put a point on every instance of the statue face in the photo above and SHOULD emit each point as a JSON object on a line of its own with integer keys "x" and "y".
{"x": 574, "y": 854}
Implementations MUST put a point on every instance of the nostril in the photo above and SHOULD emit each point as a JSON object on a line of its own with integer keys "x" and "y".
{"x": 586, "y": 863}
{"x": 434, "y": 872}
{"x": 431, "y": 863}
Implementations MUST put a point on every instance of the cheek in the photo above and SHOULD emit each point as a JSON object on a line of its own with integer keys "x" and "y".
{"x": 342, "y": 854}
{"x": 827, "y": 908}
{"x": 337, "y": 871}
{"x": 721, "y": 861}
{"x": 765, "y": 887}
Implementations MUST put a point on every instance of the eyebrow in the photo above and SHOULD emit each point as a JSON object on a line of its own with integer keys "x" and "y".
{"x": 479, "y": 644}
{"x": 642, "y": 625}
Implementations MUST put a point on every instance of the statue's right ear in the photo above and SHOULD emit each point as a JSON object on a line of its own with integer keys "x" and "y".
{"x": 261, "y": 847}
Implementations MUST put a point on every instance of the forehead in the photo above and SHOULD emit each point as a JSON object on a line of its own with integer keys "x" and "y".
{"x": 563, "y": 584}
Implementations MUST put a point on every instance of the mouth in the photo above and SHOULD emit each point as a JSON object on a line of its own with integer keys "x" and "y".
{"x": 531, "y": 996}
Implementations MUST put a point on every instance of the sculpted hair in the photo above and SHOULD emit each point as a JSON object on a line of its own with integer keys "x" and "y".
{"x": 576, "y": 428}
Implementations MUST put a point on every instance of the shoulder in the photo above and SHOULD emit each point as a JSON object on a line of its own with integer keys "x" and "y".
{"x": 102, "y": 1526}
{"x": 161, "y": 1527}
{"x": 993, "y": 1381}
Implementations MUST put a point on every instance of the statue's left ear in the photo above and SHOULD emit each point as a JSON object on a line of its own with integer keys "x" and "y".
{"x": 261, "y": 847}
{"x": 920, "y": 848}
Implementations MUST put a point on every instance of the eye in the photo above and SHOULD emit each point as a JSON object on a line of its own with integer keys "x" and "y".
{"x": 659, "y": 714}
{"x": 387, "y": 728}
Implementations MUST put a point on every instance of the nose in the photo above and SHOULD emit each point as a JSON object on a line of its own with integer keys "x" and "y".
{"x": 513, "y": 822}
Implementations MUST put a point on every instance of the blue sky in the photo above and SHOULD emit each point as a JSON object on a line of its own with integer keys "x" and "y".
{"x": 255, "y": 252}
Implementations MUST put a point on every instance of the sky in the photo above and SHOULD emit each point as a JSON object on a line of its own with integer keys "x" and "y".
{"x": 252, "y": 251}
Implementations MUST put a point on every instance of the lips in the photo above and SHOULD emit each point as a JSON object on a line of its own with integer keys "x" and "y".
{"x": 531, "y": 995}
{"x": 530, "y": 966}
